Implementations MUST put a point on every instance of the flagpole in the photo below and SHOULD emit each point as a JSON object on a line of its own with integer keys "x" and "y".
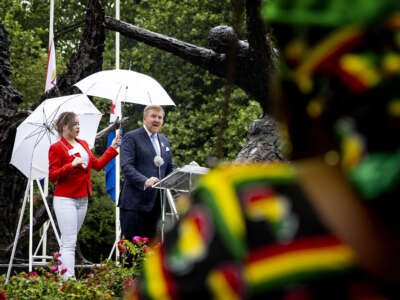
{"x": 51, "y": 21}
{"x": 46, "y": 179}
{"x": 118, "y": 131}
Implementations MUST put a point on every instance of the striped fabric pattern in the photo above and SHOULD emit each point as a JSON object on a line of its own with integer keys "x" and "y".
{"x": 278, "y": 265}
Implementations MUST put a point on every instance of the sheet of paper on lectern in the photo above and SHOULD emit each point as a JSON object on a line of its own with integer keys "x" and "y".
{"x": 182, "y": 179}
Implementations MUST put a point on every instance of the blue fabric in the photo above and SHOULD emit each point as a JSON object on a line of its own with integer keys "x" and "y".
{"x": 137, "y": 165}
{"x": 110, "y": 170}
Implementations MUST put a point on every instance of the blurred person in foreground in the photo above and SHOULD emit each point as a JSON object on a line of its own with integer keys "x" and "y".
{"x": 323, "y": 227}
{"x": 70, "y": 162}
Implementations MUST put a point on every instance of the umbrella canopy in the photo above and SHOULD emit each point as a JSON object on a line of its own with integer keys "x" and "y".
{"x": 35, "y": 134}
{"x": 126, "y": 86}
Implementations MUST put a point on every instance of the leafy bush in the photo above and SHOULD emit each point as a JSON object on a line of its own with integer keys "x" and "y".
{"x": 108, "y": 280}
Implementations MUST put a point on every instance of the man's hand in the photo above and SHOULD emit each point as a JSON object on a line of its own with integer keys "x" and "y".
{"x": 151, "y": 181}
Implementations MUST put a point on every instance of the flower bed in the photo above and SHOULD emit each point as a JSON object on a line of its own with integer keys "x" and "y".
{"x": 110, "y": 280}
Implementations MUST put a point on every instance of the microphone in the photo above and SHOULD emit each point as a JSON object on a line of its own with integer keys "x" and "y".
{"x": 158, "y": 161}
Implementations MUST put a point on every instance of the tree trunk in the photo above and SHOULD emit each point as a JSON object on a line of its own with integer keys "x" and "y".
{"x": 12, "y": 182}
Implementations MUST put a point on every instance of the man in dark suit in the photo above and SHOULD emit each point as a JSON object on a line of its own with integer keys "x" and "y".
{"x": 139, "y": 203}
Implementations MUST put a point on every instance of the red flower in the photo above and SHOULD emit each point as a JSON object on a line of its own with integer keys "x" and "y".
{"x": 3, "y": 296}
{"x": 146, "y": 240}
{"x": 63, "y": 271}
{"x": 63, "y": 286}
{"x": 90, "y": 276}
{"x": 34, "y": 274}
{"x": 56, "y": 279}
{"x": 47, "y": 275}
{"x": 121, "y": 246}
{"x": 127, "y": 281}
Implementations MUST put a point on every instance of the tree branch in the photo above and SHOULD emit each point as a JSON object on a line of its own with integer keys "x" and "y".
{"x": 251, "y": 69}
{"x": 117, "y": 124}
{"x": 199, "y": 56}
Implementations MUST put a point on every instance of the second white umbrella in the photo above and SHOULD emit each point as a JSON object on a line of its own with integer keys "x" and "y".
{"x": 125, "y": 86}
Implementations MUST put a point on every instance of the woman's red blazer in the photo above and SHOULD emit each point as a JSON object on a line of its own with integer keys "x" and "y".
{"x": 74, "y": 182}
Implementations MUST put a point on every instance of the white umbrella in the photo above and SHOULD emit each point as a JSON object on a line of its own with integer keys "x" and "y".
{"x": 35, "y": 134}
{"x": 125, "y": 86}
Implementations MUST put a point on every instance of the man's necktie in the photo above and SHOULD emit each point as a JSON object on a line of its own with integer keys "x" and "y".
{"x": 153, "y": 141}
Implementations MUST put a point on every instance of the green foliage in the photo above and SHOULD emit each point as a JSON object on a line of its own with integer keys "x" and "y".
{"x": 27, "y": 59}
{"x": 192, "y": 130}
{"x": 27, "y": 23}
{"x": 326, "y": 13}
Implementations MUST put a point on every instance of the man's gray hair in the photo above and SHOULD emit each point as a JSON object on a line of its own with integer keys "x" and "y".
{"x": 153, "y": 107}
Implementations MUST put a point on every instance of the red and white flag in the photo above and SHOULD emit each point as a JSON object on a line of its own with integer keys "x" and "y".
{"x": 51, "y": 78}
{"x": 115, "y": 111}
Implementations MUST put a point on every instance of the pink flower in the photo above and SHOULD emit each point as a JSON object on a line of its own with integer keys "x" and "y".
{"x": 56, "y": 255}
{"x": 90, "y": 276}
{"x": 56, "y": 279}
{"x": 59, "y": 262}
{"x": 137, "y": 239}
{"x": 3, "y": 296}
{"x": 146, "y": 240}
{"x": 47, "y": 275}
{"x": 63, "y": 271}
{"x": 53, "y": 269}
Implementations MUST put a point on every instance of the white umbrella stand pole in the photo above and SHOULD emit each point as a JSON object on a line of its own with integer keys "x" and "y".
{"x": 53, "y": 224}
{"x": 30, "y": 225}
{"x": 21, "y": 216}
{"x": 29, "y": 197}
{"x": 45, "y": 226}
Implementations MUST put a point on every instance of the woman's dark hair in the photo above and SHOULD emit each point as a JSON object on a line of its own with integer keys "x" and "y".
{"x": 65, "y": 118}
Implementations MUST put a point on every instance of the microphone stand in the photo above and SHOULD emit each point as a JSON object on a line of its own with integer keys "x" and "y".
{"x": 162, "y": 208}
{"x": 158, "y": 161}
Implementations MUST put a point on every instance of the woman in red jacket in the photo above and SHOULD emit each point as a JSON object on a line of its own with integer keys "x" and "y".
{"x": 70, "y": 162}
